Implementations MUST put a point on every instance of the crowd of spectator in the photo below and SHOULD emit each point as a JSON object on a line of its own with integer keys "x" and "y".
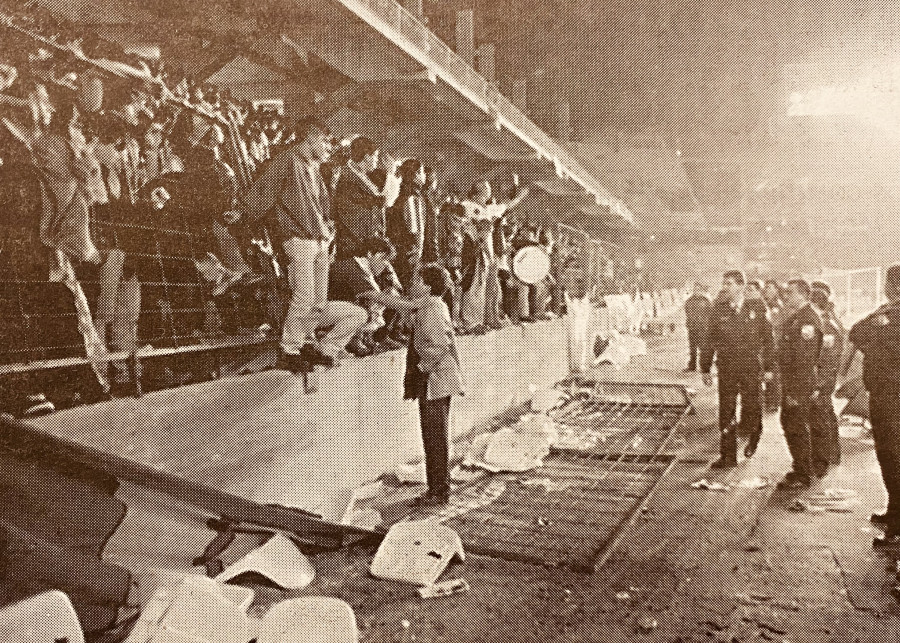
{"x": 170, "y": 210}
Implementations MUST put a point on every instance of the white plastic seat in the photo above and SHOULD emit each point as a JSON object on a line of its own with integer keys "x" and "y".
{"x": 312, "y": 619}
{"x": 45, "y": 618}
{"x": 416, "y": 552}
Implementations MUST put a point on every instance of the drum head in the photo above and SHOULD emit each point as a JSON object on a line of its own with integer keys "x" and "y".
{"x": 531, "y": 264}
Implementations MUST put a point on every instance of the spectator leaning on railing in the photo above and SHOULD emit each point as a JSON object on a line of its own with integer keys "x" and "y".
{"x": 291, "y": 192}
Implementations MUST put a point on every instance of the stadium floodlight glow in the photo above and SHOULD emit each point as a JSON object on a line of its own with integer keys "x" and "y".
{"x": 867, "y": 99}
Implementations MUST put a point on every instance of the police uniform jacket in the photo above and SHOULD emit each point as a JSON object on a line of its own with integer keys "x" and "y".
{"x": 878, "y": 337}
{"x": 830, "y": 356}
{"x": 739, "y": 338}
{"x": 798, "y": 353}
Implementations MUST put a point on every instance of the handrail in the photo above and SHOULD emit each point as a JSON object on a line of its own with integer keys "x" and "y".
{"x": 406, "y": 30}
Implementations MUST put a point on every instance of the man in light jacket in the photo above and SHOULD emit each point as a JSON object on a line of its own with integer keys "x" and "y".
{"x": 433, "y": 377}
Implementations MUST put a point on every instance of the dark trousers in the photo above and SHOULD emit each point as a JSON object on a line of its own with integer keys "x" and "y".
{"x": 884, "y": 414}
{"x": 434, "y": 416}
{"x": 749, "y": 386}
{"x": 795, "y": 423}
{"x": 696, "y": 339}
{"x": 772, "y": 394}
{"x": 823, "y": 434}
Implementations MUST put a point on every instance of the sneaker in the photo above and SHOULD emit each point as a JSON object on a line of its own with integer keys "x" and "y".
{"x": 37, "y": 405}
{"x": 314, "y": 355}
{"x": 724, "y": 463}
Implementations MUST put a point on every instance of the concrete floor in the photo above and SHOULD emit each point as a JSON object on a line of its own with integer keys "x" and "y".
{"x": 698, "y": 565}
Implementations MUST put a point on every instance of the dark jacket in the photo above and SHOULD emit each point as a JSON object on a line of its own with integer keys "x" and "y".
{"x": 472, "y": 254}
{"x": 697, "y": 310}
{"x": 878, "y": 337}
{"x": 431, "y": 251}
{"x": 398, "y": 219}
{"x": 293, "y": 195}
{"x": 740, "y": 340}
{"x": 798, "y": 353}
{"x": 833, "y": 339}
{"x": 357, "y": 212}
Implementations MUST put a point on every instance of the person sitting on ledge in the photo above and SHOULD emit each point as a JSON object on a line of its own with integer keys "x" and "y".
{"x": 352, "y": 289}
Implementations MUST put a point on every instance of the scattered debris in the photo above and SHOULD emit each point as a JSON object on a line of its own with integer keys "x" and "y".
{"x": 417, "y": 551}
{"x": 754, "y": 483}
{"x": 620, "y": 349}
{"x": 646, "y": 624}
{"x": 545, "y": 400}
{"x": 412, "y": 473}
{"x": 539, "y": 425}
{"x": 710, "y": 486}
{"x": 547, "y": 484}
{"x": 508, "y": 450}
{"x": 465, "y": 473}
{"x": 800, "y": 506}
{"x": 834, "y": 500}
{"x": 447, "y": 588}
{"x": 279, "y": 560}
{"x": 746, "y": 599}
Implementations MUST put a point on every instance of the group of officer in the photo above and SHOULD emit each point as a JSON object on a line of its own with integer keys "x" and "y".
{"x": 760, "y": 335}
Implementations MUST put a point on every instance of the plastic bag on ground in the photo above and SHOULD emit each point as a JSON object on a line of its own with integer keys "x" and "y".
{"x": 509, "y": 450}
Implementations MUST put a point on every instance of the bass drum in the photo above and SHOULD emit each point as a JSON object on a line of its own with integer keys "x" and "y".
{"x": 531, "y": 264}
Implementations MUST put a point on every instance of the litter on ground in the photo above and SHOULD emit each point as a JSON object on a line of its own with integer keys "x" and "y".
{"x": 710, "y": 486}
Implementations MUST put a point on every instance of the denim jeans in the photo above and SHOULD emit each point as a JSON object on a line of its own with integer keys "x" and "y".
{"x": 307, "y": 274}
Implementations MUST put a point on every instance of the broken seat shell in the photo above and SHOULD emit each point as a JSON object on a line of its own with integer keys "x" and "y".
{"x": 45, "y": 618}
{"x": 417, "y": 551}
{"x": 311, "y": 619}
{"x": 279, "y": 560}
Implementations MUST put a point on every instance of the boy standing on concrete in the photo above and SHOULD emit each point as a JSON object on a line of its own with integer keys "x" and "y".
{"x": 433, "y": 377}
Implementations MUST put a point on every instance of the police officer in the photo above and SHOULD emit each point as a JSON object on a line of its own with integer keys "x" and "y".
{"x": 740, "y": 339}
{"x": 823, "y": 421}
{"x": 798, "y": 359}
{"x": 878, "y": 337}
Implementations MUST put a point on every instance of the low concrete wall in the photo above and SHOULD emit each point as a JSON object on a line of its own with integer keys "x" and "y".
{"x": 262, "y": 437}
